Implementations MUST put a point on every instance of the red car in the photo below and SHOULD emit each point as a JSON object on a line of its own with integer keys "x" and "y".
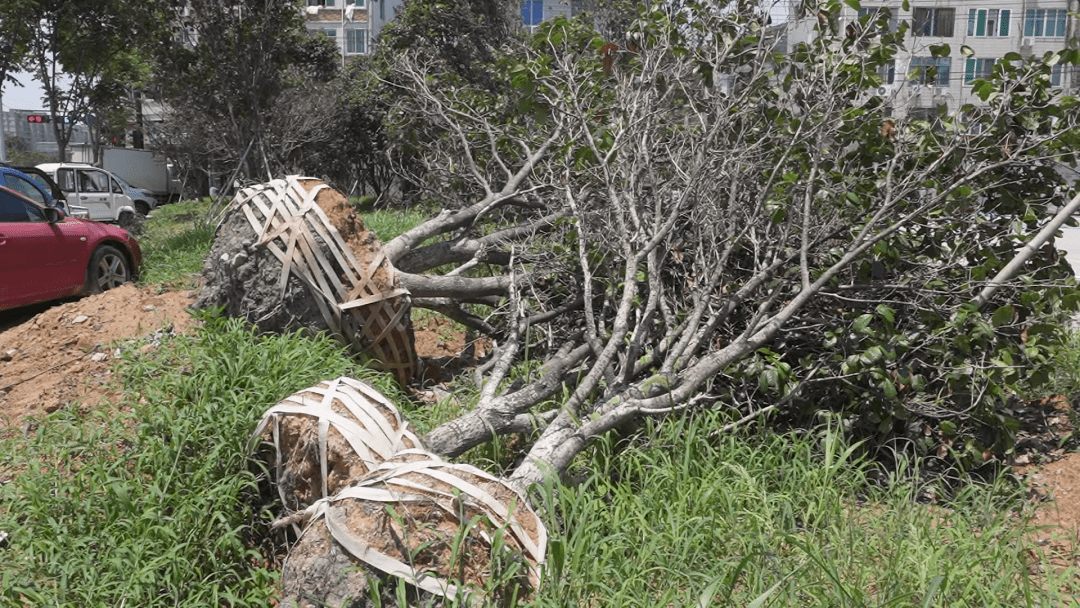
{"x": 45, "y": 255}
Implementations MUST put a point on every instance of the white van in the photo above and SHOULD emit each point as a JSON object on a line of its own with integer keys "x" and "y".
{"x": 99, "y": 191}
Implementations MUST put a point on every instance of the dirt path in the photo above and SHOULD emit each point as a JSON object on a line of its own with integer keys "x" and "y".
{"x": 61, "y": 357}
{"x": 1055, "y": 490}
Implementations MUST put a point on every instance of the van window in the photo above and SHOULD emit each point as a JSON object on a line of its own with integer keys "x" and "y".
{"x": 116, "y": 187}
{"x": 93, "y": 181}
{"x": 65, "y": 178}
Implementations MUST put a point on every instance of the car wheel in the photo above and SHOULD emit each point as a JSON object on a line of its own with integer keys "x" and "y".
{"x": 108, "y": 268}
{"x": 142, "y": 207}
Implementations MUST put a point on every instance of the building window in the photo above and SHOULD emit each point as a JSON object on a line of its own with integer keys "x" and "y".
{"x": 1055, "y": 75}
{"x": 888, "y": 72}
{"x": 988, "y": 22}
{"x": 321, "y": 2}
{"x": 532, "y": 12}
{"x": 1040, "y": 23}
{"x": 934, "y": 22}
{"x": 977, "y": 68}
{"x": 929, "y": 70}
{"x": 330, "y": 33}
{"x": 355, "y": 42}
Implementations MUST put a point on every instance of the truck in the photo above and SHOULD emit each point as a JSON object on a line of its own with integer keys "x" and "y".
{"x": 141, "y": 168}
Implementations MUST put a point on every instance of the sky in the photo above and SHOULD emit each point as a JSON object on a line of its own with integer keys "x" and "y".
{"x": 26, "y": 97}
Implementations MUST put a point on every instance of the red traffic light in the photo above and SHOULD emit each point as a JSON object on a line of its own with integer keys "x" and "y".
{"x": 38, "y": 118}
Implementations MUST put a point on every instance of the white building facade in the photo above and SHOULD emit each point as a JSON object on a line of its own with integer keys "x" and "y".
{"x": 1030, "y": 28}
{"x": 352, "y": 25}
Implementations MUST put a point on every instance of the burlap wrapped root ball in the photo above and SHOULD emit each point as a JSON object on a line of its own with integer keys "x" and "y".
{"x": 293, "y": 254}
{"x": 448, "y": 530}
{"x": 324, "y": 438}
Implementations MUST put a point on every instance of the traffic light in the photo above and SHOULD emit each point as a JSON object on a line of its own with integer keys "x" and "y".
{"x": 38, "y": 118}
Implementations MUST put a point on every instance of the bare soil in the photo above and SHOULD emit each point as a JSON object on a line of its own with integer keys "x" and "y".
{"x": 61, "y": 356}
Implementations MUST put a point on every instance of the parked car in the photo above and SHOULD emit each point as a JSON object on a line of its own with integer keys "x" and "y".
{"x": 144, "y": 199}
{"x": 45, "y": 254}
{"x": 96, "y": 189}
{"x": 35, "y": 184}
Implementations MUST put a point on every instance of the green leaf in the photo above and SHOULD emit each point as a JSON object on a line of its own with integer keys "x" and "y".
{"x": 940, "y": 50}
{"x": 1002, "y": 316}
{"x": 886, "y": 313}
{"x": 872, "y": 354}
{"x": 888, "y": 388}
{"x": 967, "y": 51}
{"x": 862, "y": 324}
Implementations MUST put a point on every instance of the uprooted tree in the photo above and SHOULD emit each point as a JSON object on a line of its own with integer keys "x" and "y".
{"x": 693, "y": 218}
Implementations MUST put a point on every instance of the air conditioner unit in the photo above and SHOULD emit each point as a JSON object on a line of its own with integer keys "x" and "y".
{"x": 884, "y": 91}
{"x": 1025, "y": 42}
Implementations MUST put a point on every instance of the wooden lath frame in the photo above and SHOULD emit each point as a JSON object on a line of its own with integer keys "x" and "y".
{"x": 372, "y": 319}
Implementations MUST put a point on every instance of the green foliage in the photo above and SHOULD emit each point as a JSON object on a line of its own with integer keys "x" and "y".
{"x": 20, "y": 154}
{"x": 386, "y": 224}
{"x": 386, "y": 134}
{"x": 678, "y": 516}
{"x": 16, "y": 34}
{"x": 158, "y": 505}
{"x": 88, "y": 56}
{"x": 222, "y": 81}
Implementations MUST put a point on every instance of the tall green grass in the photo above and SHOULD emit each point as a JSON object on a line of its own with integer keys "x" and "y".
{"x": 175, "y": 243}
{"x": 388, "y": 223}
{"x": 682, "y": 518}
{"x": 157, "y": 505}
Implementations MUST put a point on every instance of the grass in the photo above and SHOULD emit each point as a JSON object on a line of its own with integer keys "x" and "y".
{"x": 154, "y": 502}
{"x": 677, "y": 517}
{"x": 158, "y": 505}
{"x": 388, "y": 223}
{"x": 175, "y": 243}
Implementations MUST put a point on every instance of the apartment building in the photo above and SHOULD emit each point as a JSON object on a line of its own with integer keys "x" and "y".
{"x": 352, "y": 25}
{"x": 534, "y": 12}
{"x": 990, "y": 29}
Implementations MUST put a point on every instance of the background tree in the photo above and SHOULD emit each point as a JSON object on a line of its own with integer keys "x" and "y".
{"x": 221, "y": 73}
{"x": 466, "y": 40}
{"x": 710, "y": 223}
{"x": 77, "y": 50}
{"x": 16, "y": 32}
{"x": 19, "y": 152}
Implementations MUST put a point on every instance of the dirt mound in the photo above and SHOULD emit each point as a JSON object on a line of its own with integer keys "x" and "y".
{"x": 61, "y": 357}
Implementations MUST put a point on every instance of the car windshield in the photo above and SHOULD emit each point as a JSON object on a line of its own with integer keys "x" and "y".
{"x": 126, "y": 185}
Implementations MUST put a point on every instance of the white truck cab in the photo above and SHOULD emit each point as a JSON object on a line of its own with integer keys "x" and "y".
{"x": 98, "y": 190}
